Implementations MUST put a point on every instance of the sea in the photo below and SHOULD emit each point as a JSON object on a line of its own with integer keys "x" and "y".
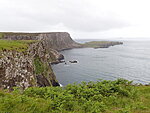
{"x": 129, "y": 61}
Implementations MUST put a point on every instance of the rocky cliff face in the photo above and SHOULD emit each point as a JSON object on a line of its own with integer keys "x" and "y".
{"x": 59, "y": 41}
{"x": 26, "y": 69}
{"x": 32, "y": 67}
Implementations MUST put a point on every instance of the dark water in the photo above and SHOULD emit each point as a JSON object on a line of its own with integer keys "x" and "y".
{"x": 130, "y": 61}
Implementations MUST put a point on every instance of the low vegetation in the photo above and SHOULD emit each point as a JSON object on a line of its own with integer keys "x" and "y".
{"x": 39, "y": 66}
{"x": 118, "y": 96}
{"x": 1, "y": 35}
{"x": 18, "y": 45}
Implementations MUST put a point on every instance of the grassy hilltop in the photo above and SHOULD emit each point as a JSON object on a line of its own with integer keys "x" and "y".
{"x": 18, "y": 45}
{"x": 118, "y": 96}
{"x": 100, "y": 44}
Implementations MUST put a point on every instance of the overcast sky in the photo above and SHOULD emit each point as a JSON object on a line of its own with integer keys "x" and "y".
{"x": 81, "y": 18}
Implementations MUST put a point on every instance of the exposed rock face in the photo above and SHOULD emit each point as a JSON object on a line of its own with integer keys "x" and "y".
{"x": 16, "y": 70}
{"x": 59, "y": 41}
{"x": 19, "y": 68}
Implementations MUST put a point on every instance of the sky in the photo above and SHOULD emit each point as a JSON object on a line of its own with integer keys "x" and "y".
{"x": 97, "y": 19}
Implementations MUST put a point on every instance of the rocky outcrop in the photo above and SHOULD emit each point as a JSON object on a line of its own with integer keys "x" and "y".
{"x": 23, "y": 69}
{"x": 59, "y": 41}
{"x": 74, "y": 61}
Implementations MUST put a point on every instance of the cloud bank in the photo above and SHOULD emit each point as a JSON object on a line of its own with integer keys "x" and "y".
{"x": 103, "y": 18}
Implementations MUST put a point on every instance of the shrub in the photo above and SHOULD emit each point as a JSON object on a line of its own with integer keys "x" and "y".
{"x": 92, "y": 97}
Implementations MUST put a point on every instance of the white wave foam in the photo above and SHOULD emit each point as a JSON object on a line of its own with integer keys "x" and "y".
{"x": 60, "y": 85}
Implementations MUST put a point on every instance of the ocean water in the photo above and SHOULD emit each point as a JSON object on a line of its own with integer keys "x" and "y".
{"x": 130, "y": 61}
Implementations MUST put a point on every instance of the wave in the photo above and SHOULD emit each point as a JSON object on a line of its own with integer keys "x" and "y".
{"x": 60, "y": 85}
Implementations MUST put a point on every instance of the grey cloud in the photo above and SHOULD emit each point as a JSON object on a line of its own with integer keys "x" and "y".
{"x": 38, "y": 15}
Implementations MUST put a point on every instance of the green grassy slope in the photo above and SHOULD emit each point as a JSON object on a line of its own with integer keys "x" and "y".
{"x": 118, "y": 96}
{"x": 18, "y": 45}
{"x": 1, "y": 35}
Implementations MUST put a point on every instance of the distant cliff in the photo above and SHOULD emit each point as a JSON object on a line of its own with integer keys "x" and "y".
{"x": 101, "y": 44}
{"x": 55, "y": 40}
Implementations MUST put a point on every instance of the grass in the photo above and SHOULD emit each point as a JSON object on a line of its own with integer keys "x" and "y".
{"x": 118, "y": 96}
{"x": 1, "y": 35}
{"x": 39, "y": 66}
{"x": 140, "y": 105}
{"x": 144, "y": 94}
{"x": 18, "y": 45}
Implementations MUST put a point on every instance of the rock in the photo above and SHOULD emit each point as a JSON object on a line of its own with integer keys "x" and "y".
{"x": 61, "y": 57}
{"x": 42, "y": 81}
{"x": 55, "y": 62}
{"x": 59, "y": 41}
{"x": 75, "y": 61}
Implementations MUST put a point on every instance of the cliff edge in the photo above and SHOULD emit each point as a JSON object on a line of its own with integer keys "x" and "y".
{"x": 54, "y": 40}
{"x": 28, "y": 64}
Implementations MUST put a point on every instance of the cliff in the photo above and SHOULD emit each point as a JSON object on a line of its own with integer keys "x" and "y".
{"x": 27, "y": 68}
{"x": 54, "y": 40}
{"x": 22, "y": 66}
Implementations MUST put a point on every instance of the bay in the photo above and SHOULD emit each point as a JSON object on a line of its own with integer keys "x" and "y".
{"x": 130, "y": 61}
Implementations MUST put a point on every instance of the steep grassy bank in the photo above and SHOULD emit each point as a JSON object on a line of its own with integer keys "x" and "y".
{"x": 118, "y": 96}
